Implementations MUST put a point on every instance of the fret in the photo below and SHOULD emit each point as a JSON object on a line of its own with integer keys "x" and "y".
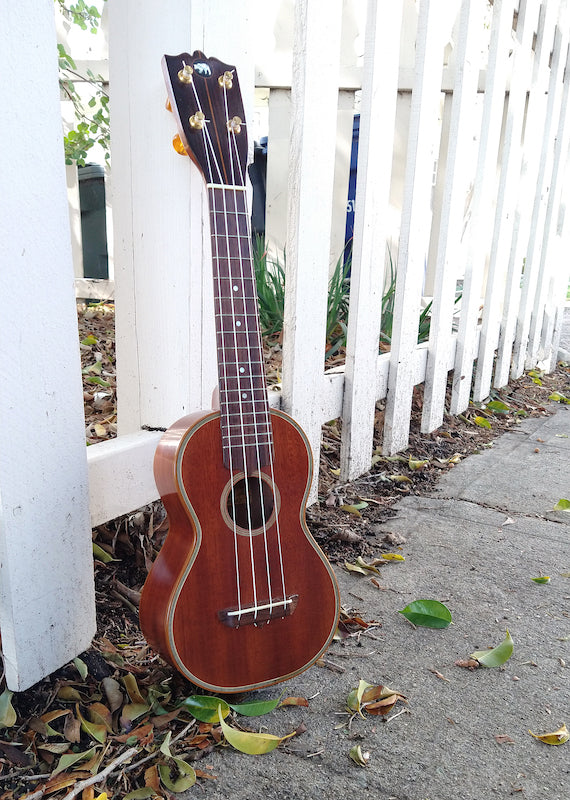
{"x": 244, "y": 407}
{"x": 248, "y": 439}
{"x": 233, "y": 428}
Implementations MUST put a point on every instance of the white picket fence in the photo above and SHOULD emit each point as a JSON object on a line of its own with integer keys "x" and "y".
{"x": 489, "y": 106}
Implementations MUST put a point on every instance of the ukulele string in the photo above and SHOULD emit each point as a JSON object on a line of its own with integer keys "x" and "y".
{"x": 267, "y": 418}
{"x": 232, "y": 151}
{"x": 214, "y": 168}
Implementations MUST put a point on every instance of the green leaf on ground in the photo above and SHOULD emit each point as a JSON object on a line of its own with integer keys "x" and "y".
{"x": 498, "y": 655}
{"x": 482, "y": 422}
{"x": 562, "y": 505}
{"x": 427, "y": 614}
{"x": 205, "y": 708}
{"x": 186, "y": 777}
{"x": 559, "y": 398}
{"x": 257, "y": 708}
{"x": 498, "y": 407}
{"x": 542, "y": 579}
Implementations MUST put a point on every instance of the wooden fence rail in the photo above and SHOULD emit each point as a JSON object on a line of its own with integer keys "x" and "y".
{"x": 481, "y": 201}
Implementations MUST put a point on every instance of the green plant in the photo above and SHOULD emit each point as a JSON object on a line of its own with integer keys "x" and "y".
{"x": 387, "y": 319}
{"x": 92, "y": 115}
{"x": 337, "y": 303}
{"x": 270, "y": 278}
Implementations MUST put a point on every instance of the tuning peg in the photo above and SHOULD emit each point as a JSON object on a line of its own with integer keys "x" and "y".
{"x": 234, "y": 125}
{"x": 167, "y": 104}
{"x": 178, "y": 146}
{"x": 185, "y": 74}
{"x": 197, "y": 120}
{"x": 226, "y": 80}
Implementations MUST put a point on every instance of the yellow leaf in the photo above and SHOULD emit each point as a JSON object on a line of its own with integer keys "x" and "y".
{"x": 556, "y": 737}
{"x": 400, "y": 478}
{"x": 355, "y": 568}
{"x": 358, "y": 756}
{"x": 351, "y": 510}
{"x": 250, "y": 743}
{"x": 132, "y": 689}
{"x": 393, "y": 557}
{"x": 8, "y": 716}
{"x": 413, "y": 464}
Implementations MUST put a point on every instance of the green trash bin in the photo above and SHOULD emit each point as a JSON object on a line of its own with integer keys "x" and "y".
{"x": 93, "y": 221}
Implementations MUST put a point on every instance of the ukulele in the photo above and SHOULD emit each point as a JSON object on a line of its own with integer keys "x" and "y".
{"x": 240, "y": 595}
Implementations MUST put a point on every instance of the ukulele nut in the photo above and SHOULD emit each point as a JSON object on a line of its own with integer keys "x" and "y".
{"x": 226, "y": 80}
{"x": 197, "y": 120}
{"x": 185, "y": 74}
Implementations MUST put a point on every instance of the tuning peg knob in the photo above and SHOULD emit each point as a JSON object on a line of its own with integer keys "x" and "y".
{"x": 234, "y": 125}
{"x": 197, "y": 120}
{"x": 178, "y": 146}
{"x": 185, "y": 74}
{"x": 226, "y": 80}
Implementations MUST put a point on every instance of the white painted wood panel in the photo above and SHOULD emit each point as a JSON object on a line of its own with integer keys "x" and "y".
{"x": 458, "y": 175}
{"x": 47, "y": 601}
{"x": 544, "y": 267}
{"x": 423, "y": 138}
{"x": 482, "y": 203}
{"x": 311, "y": 172}
{"x": 536, "y": 138}
{"x": 376, "y": 143}
{"x": 509, "y": 180}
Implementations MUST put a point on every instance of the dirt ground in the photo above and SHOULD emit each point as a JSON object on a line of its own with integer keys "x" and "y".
{"x": 71, "y": 732}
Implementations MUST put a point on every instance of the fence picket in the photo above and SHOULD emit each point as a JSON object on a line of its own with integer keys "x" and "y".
{"x": 545, "y": 268}
{"x": 462, "y": 118}
{"x": 482, "y": 202}
{"x": 536, "y": 138}
{"x": 416, "y": 219}
{"x": 506, "y": 197}
{"x": 311, "y": 171}
{"x": 378, "y": 112}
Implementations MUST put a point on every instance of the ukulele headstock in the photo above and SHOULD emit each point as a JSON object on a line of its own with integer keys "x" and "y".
{"x": 205, "y": 98}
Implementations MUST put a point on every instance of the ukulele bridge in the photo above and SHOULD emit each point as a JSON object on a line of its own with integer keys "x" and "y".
{"x": 259, "y": 614}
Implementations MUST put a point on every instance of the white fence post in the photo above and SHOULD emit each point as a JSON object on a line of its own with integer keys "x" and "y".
{"x": 311, "y": 172}
{"x": 47, "y": 603}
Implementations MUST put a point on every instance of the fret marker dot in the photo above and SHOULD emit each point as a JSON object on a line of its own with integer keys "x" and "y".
{"x": 242, "y": 369}
{"x": 235, "y": 288}
{"x": 244, "y": 395}
{"x": 238, "y": 324}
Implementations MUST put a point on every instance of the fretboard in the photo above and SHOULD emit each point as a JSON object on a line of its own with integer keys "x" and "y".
{"x": 245, "y": 420}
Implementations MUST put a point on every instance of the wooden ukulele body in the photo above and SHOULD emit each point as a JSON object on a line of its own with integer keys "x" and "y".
{"x": 213, "y": 604}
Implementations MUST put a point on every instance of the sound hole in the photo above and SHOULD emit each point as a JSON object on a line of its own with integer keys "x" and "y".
{"x": 250, "y": 504}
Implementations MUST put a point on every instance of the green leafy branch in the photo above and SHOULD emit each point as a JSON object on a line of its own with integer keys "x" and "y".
{"x": 92, "y": 117}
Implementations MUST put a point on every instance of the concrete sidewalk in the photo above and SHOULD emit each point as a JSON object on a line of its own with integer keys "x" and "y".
{"x": 474, "y": 544}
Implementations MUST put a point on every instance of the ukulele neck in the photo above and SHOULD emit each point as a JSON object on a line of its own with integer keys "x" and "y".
{"x": 244, "y": 408}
